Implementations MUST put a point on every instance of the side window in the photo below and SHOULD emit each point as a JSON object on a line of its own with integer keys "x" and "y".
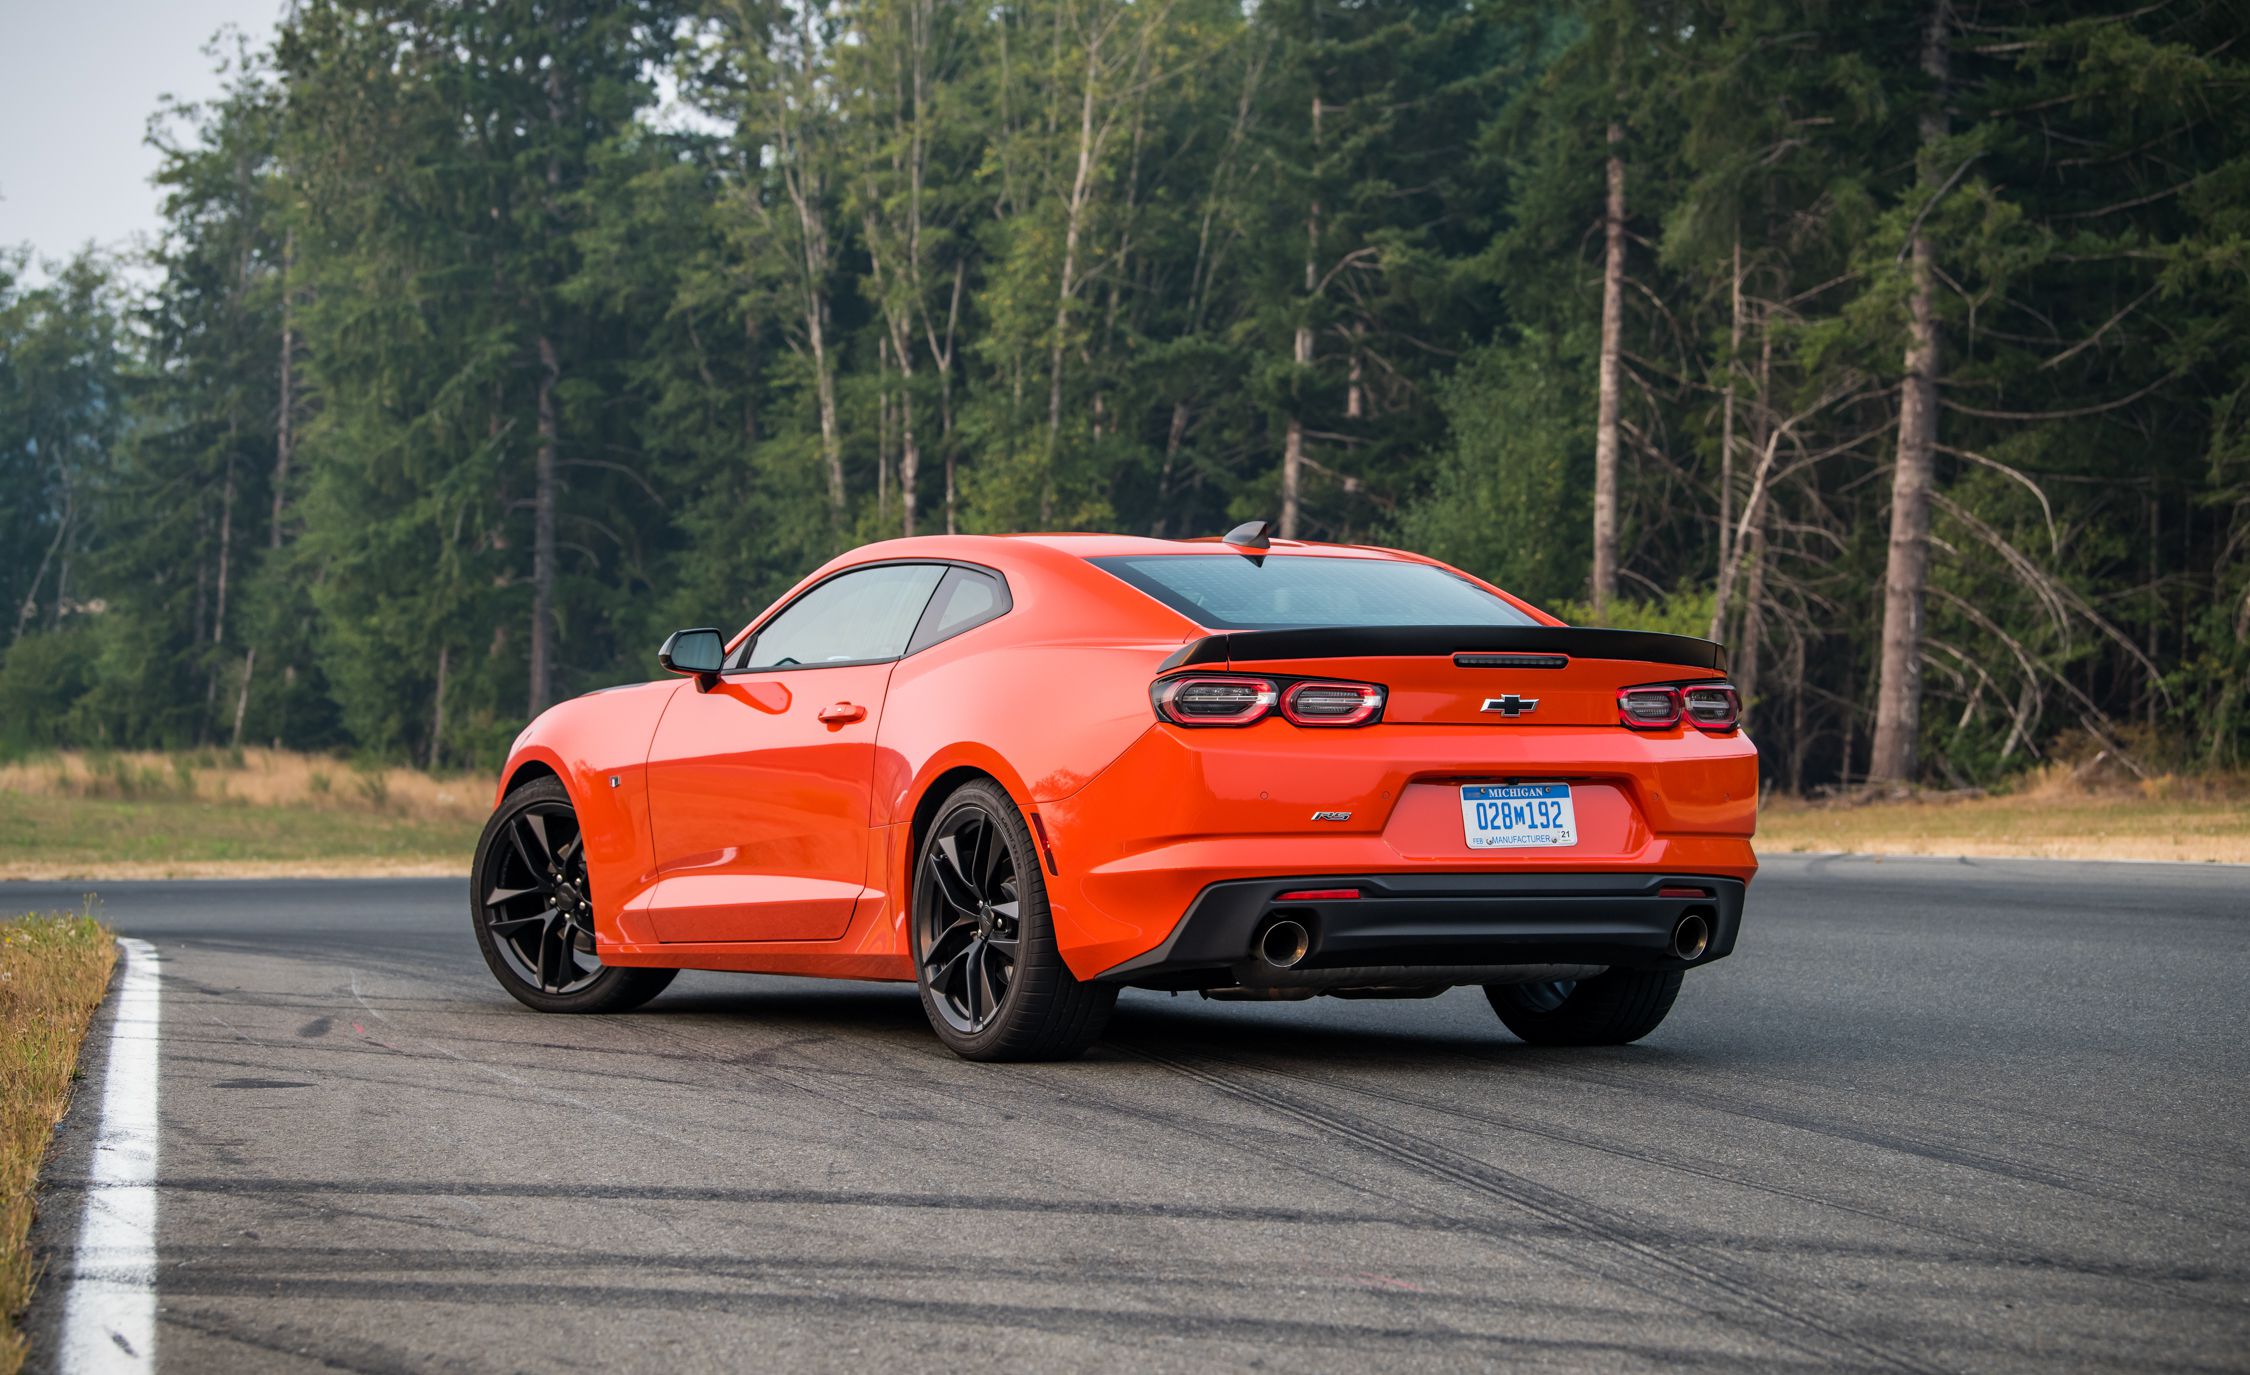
{"x": 965, "y": 600}
{"x": 851, "y": 618}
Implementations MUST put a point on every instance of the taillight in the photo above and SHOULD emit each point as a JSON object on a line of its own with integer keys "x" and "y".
{"x": 1213, "y": 701}
{"x": 1649, "y": 708}
{"x": 1712, "y": 707}
{"x": 1715, "y": 707}
{"x": 1331, "y": 704}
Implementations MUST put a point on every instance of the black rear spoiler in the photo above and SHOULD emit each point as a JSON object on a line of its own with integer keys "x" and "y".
{"x": 1388, "y": 641}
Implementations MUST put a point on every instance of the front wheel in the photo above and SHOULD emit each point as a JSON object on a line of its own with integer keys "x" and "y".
{"x": 993, "y": 984}
{"x": 534, "y": 912}
{"x": 1611, "y": 1009}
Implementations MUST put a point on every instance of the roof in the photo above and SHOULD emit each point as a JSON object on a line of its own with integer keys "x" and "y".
{"x": 1088, "y": 545}
{"x": 1065, "y": 553}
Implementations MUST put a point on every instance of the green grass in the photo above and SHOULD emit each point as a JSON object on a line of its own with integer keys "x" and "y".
{"x": 53, "y": 970}
{"x": 71, "y": 836}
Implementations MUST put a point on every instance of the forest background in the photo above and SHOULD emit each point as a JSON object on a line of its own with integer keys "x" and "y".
{"x": 1903, "y": 346}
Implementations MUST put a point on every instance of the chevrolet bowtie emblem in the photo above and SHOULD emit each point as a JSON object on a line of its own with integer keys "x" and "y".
{"x": 1511, "y": 705}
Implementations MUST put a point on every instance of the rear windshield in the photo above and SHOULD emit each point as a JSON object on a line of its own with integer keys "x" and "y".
{"x": 1287, "y": 591}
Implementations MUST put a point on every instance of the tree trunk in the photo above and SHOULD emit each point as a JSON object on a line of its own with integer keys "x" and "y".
{"x": 882, "y": 430}
{"x": 750, "y": 378}
{"x": 942, "y": 358}
{"x": 1799, "y": 737}
{"x": 1898, "y": 694}
{"x": 1081, "y": 194}
{"x": 1605, "y": 421}
{"x": 437, "y": 712}
{"x": 1745, "y": 659}
{"x": 284, "y": 422}
{"x": 1355, "y": 385}
{"x": 242, "y": 697}
{"x": 1726, "y": 452}
{"x": 824, "y": 382}
{"x": 1172, "y": 439}
{"x": 896, "y": 344}
{"x": 803, "y": 178}
{"x": 544, "y": 496}
{"x": 909, "y": 452}
{"x": 543, "y": 537}
{"x": 1293, "y": 439}
{"x": 1750, "y": 532}
{"x": 226, "y": 541}
{"x": 62, "y": 574}
{"x": 1292, "y": 476}
{"x": 30, "y": 606}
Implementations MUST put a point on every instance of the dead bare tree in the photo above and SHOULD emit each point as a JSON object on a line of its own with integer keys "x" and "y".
{"x": 1606, "y": 402}
{"x": 1906, "y": 575}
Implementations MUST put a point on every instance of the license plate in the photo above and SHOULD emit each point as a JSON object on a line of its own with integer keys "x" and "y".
{"x": 1504, "y": 816}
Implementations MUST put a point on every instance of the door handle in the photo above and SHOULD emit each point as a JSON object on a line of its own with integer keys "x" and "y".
{"x": 843, "y": 713}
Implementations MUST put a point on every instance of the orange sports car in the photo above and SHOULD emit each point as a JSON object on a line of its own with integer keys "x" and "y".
{"x": 1025, "y": 772}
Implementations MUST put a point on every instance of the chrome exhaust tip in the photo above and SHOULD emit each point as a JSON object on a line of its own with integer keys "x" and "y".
{"x": 1284, "y": 943}
{"x": 1691, "y": 937}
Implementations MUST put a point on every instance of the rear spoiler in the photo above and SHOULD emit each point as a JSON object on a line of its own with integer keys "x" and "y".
{"x": 1555, "y": 644}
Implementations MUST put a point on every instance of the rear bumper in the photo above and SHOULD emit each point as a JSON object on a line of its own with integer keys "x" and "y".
{"x": 1432, "y": 923}
{"x": 1183, "y": 811}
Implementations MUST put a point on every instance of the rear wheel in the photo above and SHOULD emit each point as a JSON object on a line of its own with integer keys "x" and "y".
{"x": 992, "y": 982}
{"x": 534, "y": 912}
{"x": 1610, "y": 1009}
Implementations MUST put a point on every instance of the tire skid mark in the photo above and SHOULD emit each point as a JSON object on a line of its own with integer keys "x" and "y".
{"x": 1659, "y": 1270}
{"x": 806, "y": 1272}
{"x": 854, "y": 1311}
{"x": 362, "y": 1071}
{"x": 594, "y": 1191}
{"x": 1992, "y": 1249}
{"x": 715, "y": 1047}
{"x": 1062, "y": 1085}
{"x": 637, "y": 1124}
{"x": 1904, "y": 1103}
{"x": 293, "y": 1343}
{"x": 1966, "y": 1157}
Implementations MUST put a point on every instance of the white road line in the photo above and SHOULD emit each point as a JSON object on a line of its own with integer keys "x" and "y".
{"x": 109, "y": 1313}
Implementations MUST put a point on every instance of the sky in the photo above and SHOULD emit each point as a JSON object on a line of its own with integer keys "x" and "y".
{"x": 78, "y": 81}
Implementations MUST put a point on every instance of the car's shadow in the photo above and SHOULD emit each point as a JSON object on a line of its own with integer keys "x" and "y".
{"x": 1164, "y": 1028}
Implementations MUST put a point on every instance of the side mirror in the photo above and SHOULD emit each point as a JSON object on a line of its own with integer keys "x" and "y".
{"x": 701, "y": 652}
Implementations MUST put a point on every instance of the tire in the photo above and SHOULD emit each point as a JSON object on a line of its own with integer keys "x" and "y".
{"x": 534, "y": 921}
{"x": 1612, "y": 1009}
{"x": 993, "y": 985}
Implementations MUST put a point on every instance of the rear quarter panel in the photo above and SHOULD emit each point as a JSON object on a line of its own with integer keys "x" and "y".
{"x": 1044, "y": 698}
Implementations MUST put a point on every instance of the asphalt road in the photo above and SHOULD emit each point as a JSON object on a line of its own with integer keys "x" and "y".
{"x": 1932, "y": 1115}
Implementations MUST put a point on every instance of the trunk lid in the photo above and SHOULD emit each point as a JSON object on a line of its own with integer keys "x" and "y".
{"x": 1471, "y": 675}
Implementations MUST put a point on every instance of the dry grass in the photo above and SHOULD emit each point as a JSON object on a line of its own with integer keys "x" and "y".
{"x": 212, "y": 814}
{"x": 2057, "y": 813}
{"x": 53, "y": 971}
{"x": 272, "y": 814}
{"x": 252, "y": 778}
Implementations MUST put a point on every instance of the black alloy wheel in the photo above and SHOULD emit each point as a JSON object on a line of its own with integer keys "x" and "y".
{"x": 974, "y": 927}
{"x": 534, "y": 909}
{"x": 992, "y": 982}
